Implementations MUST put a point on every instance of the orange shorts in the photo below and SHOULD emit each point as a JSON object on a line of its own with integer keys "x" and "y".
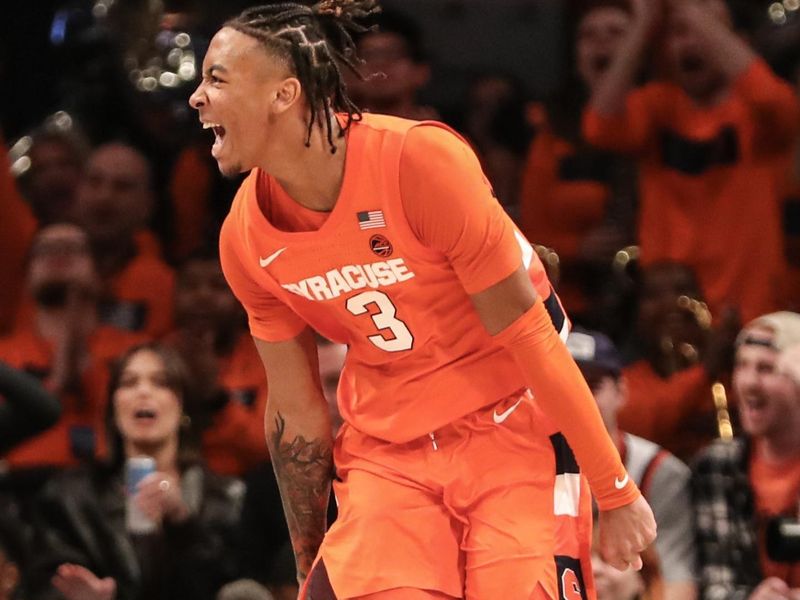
{"x": 484, "y": 508}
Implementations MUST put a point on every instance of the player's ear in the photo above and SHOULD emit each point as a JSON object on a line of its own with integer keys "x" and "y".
{"x": 287, "y": 94}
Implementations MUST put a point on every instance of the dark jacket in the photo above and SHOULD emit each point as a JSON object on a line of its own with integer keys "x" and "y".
{"x": 725, "y": 521}
{"x": 80, "y": 518}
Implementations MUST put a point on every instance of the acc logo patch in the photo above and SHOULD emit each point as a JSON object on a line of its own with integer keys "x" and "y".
{"x": 380, "y": 246}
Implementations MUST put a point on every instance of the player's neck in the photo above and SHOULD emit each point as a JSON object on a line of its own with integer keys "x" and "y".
{"x": 311, "y": 175}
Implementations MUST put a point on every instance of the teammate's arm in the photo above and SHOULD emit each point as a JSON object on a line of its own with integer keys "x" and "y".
{"x": 298, "y": 430}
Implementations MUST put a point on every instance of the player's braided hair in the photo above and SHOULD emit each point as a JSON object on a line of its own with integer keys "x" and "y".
{"x": 312, "y": 38}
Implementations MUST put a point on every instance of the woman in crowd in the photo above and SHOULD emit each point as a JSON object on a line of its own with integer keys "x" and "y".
{"x": 85, "y": 549}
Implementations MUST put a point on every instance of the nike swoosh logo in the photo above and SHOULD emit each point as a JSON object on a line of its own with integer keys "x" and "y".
{"x": 619, "y": 484}
{"x": 265, "y": 262}
{"x": 506, "y": 413}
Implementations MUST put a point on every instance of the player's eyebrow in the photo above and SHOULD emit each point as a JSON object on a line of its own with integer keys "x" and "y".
{"x": 215, "y": 67}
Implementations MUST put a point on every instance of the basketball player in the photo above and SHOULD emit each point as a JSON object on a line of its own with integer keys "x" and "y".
{"x": 453, "y": 479}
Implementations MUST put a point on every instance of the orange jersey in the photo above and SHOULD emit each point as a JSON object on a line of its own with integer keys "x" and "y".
{"x": 80, "y": 431}
{"x": 709, "y": 195}
{"x": 388, "y": 272}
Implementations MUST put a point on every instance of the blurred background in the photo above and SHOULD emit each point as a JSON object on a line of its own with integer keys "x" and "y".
{"x": 656, "y": 173}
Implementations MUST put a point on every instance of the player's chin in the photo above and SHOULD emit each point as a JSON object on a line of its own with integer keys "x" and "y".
{"x": 229, "y": 170}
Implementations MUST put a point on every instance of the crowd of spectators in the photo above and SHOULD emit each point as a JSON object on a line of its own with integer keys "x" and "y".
{"x": 660, "y": 184}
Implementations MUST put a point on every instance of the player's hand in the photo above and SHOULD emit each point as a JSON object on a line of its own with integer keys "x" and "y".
{"x": 625, "y": 532}
{"x": 79, "y": 583}
{"x": 159, "y": 497}
{"x": 773, "y": 588}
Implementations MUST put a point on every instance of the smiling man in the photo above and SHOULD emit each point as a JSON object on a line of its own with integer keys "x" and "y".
{"x": 383, "y": 234}
{"x": 739, "y": 486}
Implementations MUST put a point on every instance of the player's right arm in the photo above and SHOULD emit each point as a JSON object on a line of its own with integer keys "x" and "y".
{"x": 298, "y": 429}
{"x": 296, "y": 420}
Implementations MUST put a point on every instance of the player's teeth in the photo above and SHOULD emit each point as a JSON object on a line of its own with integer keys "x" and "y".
{"x": 210, "y": 125}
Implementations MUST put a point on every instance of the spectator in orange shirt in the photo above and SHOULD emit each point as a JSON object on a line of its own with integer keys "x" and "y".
{"x": 670, "y": 400}
{"x": 66, "y": 346}
{"x": 575, "y": 199}
{"x": 232, "y": 392}
{"x": 707, "y": 140}
{"x": 114, "y": 201}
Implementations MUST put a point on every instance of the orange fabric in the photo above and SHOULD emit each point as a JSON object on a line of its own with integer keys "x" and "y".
{"x": 555, "y": 212}
{"x": 235, "y": 442}
{"x": 468, "y": 512}
{"x": 563, "y": 392}
{"x": 719, "y": 212}
{"x": 776, "y": 487}
{"x": 83, "y": 414}
{"x": 405, "y": 594}
{"x": 17, "y": 227}
{"x": 676, "y": 413}
{"x": 149, "y": 282}
{"x": 190, "y": 189}
{"x": 402, "y": 308}
{"x": 559, "y": 213}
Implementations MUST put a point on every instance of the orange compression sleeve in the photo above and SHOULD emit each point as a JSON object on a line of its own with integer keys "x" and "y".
{"x": 562, "y": 393}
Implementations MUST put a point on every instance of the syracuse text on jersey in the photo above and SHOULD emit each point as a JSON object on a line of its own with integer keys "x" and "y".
{"x": 345, "y": 279}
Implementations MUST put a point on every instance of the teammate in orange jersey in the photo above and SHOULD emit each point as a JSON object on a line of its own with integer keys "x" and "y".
{"x": 382, "y": 233}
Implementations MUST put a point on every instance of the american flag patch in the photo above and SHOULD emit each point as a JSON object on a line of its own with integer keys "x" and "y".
{"x": 371, "y": 219}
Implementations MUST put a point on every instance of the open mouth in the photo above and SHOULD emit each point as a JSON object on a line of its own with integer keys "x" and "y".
{"x": 692, "y": 64}
{"x": 601, "y": 62}
{"x": 219, "y": 136}
{"x": 145, "y": 415}
{"x": 754, "y": 406}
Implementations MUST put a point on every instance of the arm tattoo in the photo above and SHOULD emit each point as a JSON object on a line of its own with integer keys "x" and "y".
{"x": 304, "y": 469}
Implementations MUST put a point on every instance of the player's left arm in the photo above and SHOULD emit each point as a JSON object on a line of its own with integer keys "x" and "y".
{"x": 450, "y": 207}
{"x": 512, "y": 313}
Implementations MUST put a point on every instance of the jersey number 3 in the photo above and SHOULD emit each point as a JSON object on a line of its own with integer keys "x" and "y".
{"x": 385, "y": 321}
